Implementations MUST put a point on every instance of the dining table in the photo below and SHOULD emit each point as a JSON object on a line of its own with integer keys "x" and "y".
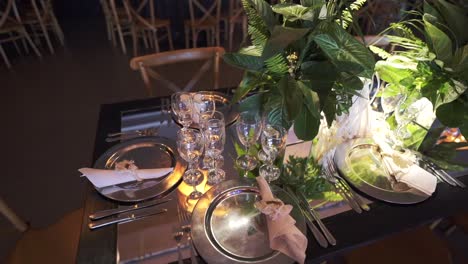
{"x": 351, "y": 230}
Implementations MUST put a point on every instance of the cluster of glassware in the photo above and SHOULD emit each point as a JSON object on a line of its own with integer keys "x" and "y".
{"x": 250, "y": 127}
{"x": 200, "y": 108}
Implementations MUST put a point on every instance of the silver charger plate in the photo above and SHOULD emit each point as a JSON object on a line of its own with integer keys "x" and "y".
{"x": 223, "y": 105}
{"x": 227, "y": 228}
{"x": 361, "y": 165}
{"x": 148, "y": 153}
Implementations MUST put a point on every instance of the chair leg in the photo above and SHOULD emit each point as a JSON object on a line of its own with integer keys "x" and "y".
{"x": 216, "y": 34}
{"x": 145, "y": 39}
{"x": 25, "y": 46}
{"x": 194, "y": 37}
{"x": 10, "y": 215}
{"x": 58, "y": 30}
{"x": 28, "y": 38}
{"x": 208, "y": 38}
{"x": 135, "y": 41}
{"x": 16, "y": 45}
{"x": 43, "y": 28}
{"x": 227, "y": 26}
{"x": 5, "y": 58}
{"x": 186, "y": 31}
{"x": 232, "y": 27}
{"x": 156, "y": 41}
{"x": 169, "y": 37}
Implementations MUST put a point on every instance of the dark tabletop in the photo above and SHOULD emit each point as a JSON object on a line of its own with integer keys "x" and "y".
{"x": 350, "y": 229}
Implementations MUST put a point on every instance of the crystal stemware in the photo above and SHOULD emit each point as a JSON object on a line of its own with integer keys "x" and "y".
{"x": 248, "y": 129}
{"x": 207, "y": 159}
{"x": 181, "y": 104}
{"x": 273, "y": 140}
{"x": 204, "y": 106}
{"x": 215, "y": 138}
{"x": 190, "y": 147}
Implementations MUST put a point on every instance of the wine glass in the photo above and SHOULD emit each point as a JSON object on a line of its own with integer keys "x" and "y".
{"x": 273, "y": 141}
{"x": 215, "y": 138}
{"x": 181, "y": 104}
{"x": 248, "y": 129}
{"x": 204, "y": 106}
{"x": 207, "y": 159}
{"x": 190, "y": 147}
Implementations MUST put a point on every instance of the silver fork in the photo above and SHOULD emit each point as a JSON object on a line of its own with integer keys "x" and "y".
{"x": 338, "y": 187}
{"x": 185, "y": 221}
{"x": 151, "y": 131}
{"x": 178, "y": 235}
{"x": 342, "y": 181}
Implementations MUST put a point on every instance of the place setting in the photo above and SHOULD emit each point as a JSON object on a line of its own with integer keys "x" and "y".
{"x": 308, "y": 134}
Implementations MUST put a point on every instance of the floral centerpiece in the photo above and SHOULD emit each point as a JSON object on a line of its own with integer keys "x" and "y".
{"x": 302, "y": 62}
{"x": 307, "y": 71}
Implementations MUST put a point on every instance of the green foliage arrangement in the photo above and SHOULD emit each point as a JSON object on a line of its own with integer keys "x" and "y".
{"x": 302, "y": 62}
{"x": 436, "y": 68}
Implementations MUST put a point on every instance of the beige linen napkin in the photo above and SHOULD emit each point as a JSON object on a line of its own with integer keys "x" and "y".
{"x": 104, "y": 178}
{"x": 283, "y": 233}
{"x": 411, "y": 174}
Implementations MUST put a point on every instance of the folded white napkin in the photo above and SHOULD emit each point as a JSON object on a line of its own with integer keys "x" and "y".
{"x": 104, "y": 178}
{"x": 283, "y": 233}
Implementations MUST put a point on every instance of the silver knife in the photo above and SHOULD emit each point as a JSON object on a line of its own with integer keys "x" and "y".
{"x": 125, "y": 218}
{"x": 309, "y": 221}
{"x": 123, "y": 209}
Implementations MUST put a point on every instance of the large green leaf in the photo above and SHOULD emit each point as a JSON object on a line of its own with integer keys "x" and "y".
{"x": 264, "y": 10}
{"x": 456, "y": 19}
{"x": 275, "y": 109}
{"x": 460, "y": 62}
{"x": 309, "y": 3}
{"x": 252, "y": 103}
{"x": 244, "y": 61}
{"x": 293, "y": 12}
{"x": 280, "y": 38}
{"x": 452, "y": 114}
{"x": 392, "y": 72}
{"x": 292, "y": 96}
{"x": 440, "y": 42}
{"x": 311, "y": 99}
{"x": 306, "y": 125}
{"x": 344, "y": 50}
{"x": 249, "y": 82}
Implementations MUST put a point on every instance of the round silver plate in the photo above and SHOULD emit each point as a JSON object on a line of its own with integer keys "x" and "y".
{"x": 223, "y": 105}
{"x": 148, "y": 153}
{"x": 227, "y": 228}
{"x": 361, "y": 164}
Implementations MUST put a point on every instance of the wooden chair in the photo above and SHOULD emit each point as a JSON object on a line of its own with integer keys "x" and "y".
{"x": 236, "y": 15}
{"x": 11, "y": 29}
{"x": 208, "y": 22}
{"x": 147, "y": 27}
{"x": 211, "y": 56}
{"x": 120, "y": 22}
{"x": 40, "y": 17}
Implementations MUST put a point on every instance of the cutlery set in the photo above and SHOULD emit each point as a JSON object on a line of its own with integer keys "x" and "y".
{"x": 151, "y": 131}
{"x": 441, "y": 174}
{"x": 125, "y": 213}
{"x": 340, "y": 185}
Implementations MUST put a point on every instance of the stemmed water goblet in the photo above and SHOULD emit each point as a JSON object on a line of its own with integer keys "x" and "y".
{"x": 190, "y": 147}
{"x": 248, "y": 128}
{"x": 273, "y": 141}
{"x": 181, "y": 104}
{"x": 215, "y": 138}
{"x": 204, "y": 106}
{"x": 208, "y": 159}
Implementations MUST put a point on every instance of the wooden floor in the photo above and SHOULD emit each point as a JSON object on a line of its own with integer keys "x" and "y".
{"x": 50, "y": 109}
